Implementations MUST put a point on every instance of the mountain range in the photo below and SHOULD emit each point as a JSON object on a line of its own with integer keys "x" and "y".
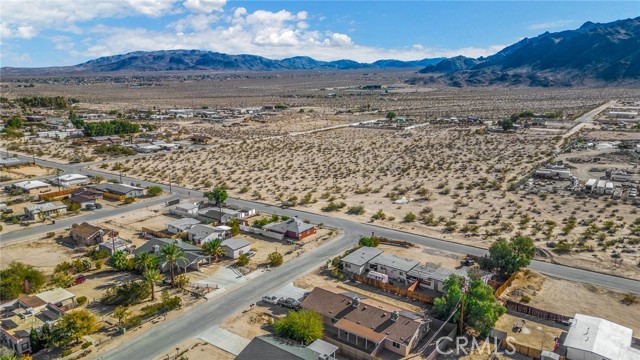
{"x": 594, "y": 53}
{"x": 189, "y": 60}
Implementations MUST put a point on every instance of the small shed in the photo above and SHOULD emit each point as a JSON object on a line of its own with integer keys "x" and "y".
{"x": 235, "y": 247}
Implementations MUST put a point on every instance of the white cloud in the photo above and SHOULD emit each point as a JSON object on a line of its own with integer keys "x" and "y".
{"x": 549, "y": 25}
{"x": 204, "y": 6}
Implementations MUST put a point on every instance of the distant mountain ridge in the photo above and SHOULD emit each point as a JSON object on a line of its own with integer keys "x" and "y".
{"x": 594, "y": 53}
{"x": 189, "y": 60}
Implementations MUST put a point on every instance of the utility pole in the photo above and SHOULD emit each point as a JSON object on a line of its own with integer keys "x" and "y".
{"x": 170, "y": 189}
{"x": 120, "y": 176}
{"x": 461, "y": 321}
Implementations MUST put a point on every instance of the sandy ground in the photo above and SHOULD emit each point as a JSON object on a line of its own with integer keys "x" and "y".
{"x": 533, "y": 334}
{"x": 27, "y": 171}
{"x": 568, "y": 298}
{"x": 42, "y": 253}
{"x": 252, "y": 323}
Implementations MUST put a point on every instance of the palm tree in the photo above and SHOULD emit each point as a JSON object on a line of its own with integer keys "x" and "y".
{"x": 121, "y": 313}
{"x": 171, "y": 254}
{"x": 145, "y": 261}
{"x": 151, "y": 277}
{"x": 213, "y": 248}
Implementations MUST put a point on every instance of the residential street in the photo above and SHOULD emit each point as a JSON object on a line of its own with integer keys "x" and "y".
{"x": 211, "y": 313}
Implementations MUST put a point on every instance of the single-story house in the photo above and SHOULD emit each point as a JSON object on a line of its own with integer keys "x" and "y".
{"x": 356, "y": 262}
{"x": 271, "y": 347}
{"x": 112, "y": 139}
{"x": 48, "y": 209}
{"x": 592, "y": 338}
{"x": 353, "y": 321}
{"x": 220, "y": 216}
{"x": 88, "y": 192}
{"x": 69, "y": 180}
{"x": 116, "y": 244}
{"x": 235, "y": 247}
{"x": 393, "y": 266}
{"x": 292, "y": 228}
{"x": 433, "y": 277}
{"x": 86, "y": 234}
{"x": 189, "y": 209}
{"x": 181, "y": 225}
{"x": 193, "y": 255}
{"x": 200, "y": 234}
{"x": 29, "y": 185}
{"x": 201, "y": 139}
{"x": 58, "y": 297}
{"x": 121, "y": 190}
{"x": 83, "y": 200}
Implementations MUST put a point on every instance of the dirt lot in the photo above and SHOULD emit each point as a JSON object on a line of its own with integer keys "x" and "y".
{"x": 26, "y": 172}
{"x": 251, "y": 323}
{"x": 568, "y": 298}
{"x": 534, "y": 335}
{"x": 196, "y": 349}
{"x": 42, "y": 253}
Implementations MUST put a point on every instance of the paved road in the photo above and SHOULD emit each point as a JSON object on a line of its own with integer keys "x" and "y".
{"x": 587, "y": 118}
{"x": 33, "y": 230}
{"x": 209, "y": 314}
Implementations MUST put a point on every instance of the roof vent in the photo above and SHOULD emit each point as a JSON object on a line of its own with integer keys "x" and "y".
{"x": 356, "y": 301}
{"x": 395, "y": 315}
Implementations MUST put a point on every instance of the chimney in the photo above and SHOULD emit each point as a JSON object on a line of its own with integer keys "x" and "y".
{"x": 395, "y": 315}
{"x": 356, "y": 302}
{"x": 156, "y": 248}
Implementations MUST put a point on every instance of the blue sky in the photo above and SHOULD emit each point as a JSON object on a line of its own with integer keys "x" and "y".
{"x": 37, "y": 33}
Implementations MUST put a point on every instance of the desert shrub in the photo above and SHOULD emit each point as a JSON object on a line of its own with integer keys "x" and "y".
{"x": 243, "y": 260}
{"x": 370, "y": 241}
{"x": 356, "y": 210}
{"x": 129, "y": 293}
{"x": 275, "y": 259}
{"x": 81, "y": 300}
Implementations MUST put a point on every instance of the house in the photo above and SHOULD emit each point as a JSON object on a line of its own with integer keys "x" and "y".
{"x": 69, "y": 180}
{"x": 292, "y": 228}
{"x": 235, "y": 247}
{"x": 433, "y": 277}
{"x": 271, "y": 347}
{"x": 200, "y": 139}
{"x": 83, "y": 200}
{"x": 31, "y": 312}
{"x": 116, "y": 244}
{"x": 200, "y": 234}
{"x": 354, "y": 322}
{"x": 592, "y": 338}
{"x": 193, "y": 257}
{"x": 189, "y": 209}
{"x": 48, "y": 209}
{"x": 86, "y": 234}
{"x": 120, "y": 190}
{"x": 232, "y": 211}
{"x": 29, "y": 185}
{"x": 181, "y": 225}
{"x": 356, "y": 262}
{"x": 219, "y": 215}
{"x": 88, "y": 192}
{"x": 393, "y": 266}
{"x": 35, "y": 118}
{"x": 12, "y": 162}
{"x": 112, "y": 139}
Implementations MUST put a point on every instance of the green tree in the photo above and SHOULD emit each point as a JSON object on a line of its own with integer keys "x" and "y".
{"x": 481, "y": 309}
{"x": 243, "y": 260}
{"x": 275, "y": 259}
{"x": 145, "y": 261}
{"x": 213, "y": 248}
{"x": 171, "y": 254}
{"x": 218, "y": 194}
{"x": 74, "y": 325}
{"x": 154, "y": 190}
{"x": 19, "y": 278}
{"x": 234, "y": 224}
{"x": 121, "y": 313}
{"x": 410, "y": 217}
{"x": 305, "y": 326}
{"x": 506, "y": 124}
{"x": 61, "y": 279}
{"x": 507, "y": 257}
{"x": 15, "y": 122}
{"x": 369, "y": 241}
{"x": 391, "y": 115}
{"x": 152, "y": 277}
{"x": 182, "y": 281}
{"x": 119, "y": 260}
{"x": 128, "y": 293}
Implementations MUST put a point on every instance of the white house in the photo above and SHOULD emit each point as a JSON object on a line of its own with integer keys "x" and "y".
{"x": 235, "y": 247}
{"x": 592, "y": 338}
{"x": 393, "y": 266}
{"x": 356, "y": 262}
{"x": 433, "y": 277}
{"x": 189, "y": 209}
{"x": 200, "y": 233}
{"x": 70, "y": 180}
{"x": 30, "y": 185}
{"x": 181, "y": 225}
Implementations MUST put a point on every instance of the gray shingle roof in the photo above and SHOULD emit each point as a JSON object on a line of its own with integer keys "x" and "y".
{"x": 361, "y": 256}
{"x": 236, "y": 243}
{"x": 294, "y": 225}
{"x": 395, "y": 262}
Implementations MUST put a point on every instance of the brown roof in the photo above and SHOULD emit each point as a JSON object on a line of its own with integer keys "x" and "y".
{"x": 85, "y": 230}
{"x": 369, "y": 314}
{"x": 80, "y": 199}
{"x": 31, "y": 301}
{"x": 361, "y": 331}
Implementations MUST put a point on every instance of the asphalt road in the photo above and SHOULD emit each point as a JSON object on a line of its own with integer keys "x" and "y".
{"x": 163, "y": 337}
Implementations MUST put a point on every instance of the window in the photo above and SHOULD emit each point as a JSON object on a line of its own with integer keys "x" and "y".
{"x": 25, "y": 346}
{"x": 395, "y": 345}
{"x": 348, "y": 266}
{"x": 401, "y": 273}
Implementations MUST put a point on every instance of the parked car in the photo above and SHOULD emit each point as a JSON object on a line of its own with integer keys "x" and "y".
{"x": 98, "y": 206}
{"x": 290, "y": 303}
{"x": 251, "y": 253}
{"x": 272, "y": 300}
{"x": 78, "y": 280}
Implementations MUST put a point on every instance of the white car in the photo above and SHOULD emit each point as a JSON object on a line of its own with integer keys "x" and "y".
{"x": 273, "y": 300}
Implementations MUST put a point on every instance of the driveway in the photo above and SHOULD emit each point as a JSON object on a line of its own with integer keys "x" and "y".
{"x": 225, "y": 340}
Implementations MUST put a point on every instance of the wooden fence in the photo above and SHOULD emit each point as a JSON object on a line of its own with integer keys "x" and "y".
{"x": 349, "y": 351}
{"x": 55, "y": 195}
{"x": 394, "y": 289}
{"x": 159, "y": 234}
{"x": 111, "y": 196}
{"x": 506, "y": 284}
{"x": 535, "y": 312}
{"x": 404, "y": 244}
